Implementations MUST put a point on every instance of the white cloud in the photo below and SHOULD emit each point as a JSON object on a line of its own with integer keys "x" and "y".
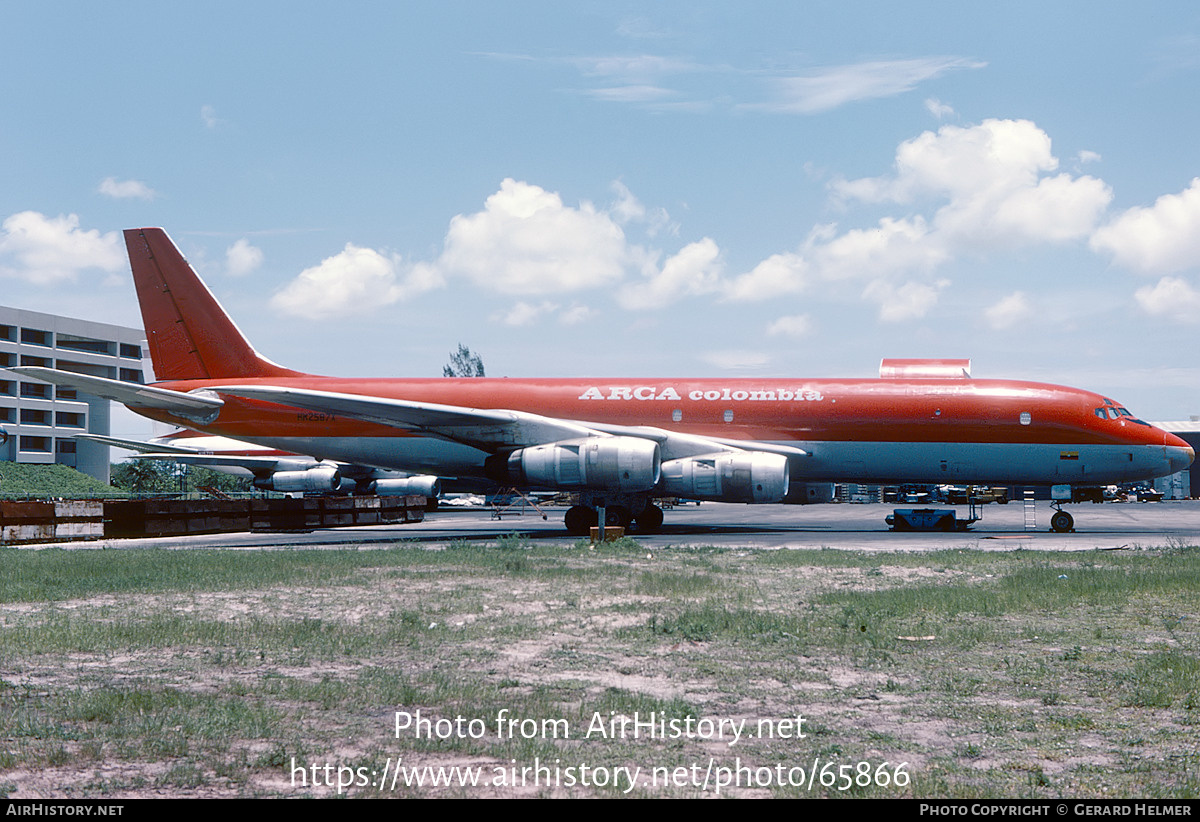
{"x": 799, "y": 325}
{"x": 970, "y": 190}
{"x": 526, "y": 241}
{"x": 1057, "y": 209}
{"x": 524, "y": 313}
{"x": 939, "y": 109}
{"x": 208, "y": 115}
{"x": 1173, "y": 298}
{"x": 909, "y": 301}
{"x": 893, "y": 246}
{"x": 632, "y": 94}
{"x": 45, "y": 250}
{"x": 241, "y": 258}
{"x": 836, "y": 86}
{"x": 775, "y": 276}
{"x": 958, "y": 162}
{"x": 1163, "y": 238}
{"x": 575, "y": 314}
{"x": 1009, "y": 311}
{"x": 355, "y": 281}
{"x": 628, "y": 209}
{"x": 1086, "y": 156}
{"x": 126, "y": 189}
{"x": 695, "y": 269}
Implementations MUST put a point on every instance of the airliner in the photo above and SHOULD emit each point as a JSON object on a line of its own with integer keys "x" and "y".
{"x": 621, "y": 443}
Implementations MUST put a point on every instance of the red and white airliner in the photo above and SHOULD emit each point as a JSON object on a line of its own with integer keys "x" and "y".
{"x": 619, "y": 443}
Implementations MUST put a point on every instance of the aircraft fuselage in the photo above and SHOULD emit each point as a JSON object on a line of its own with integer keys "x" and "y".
{"x": 866, "y": 430}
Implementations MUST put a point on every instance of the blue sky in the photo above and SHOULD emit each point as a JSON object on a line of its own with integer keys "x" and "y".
{"x": 637, "y": 189}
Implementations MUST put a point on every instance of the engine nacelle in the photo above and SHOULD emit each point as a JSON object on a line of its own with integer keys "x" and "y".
{"x": 600, "y": 463}
{"x": 424, "y": 486}
{"x": 314, "y": 479}
{"x": 751, "y": 476}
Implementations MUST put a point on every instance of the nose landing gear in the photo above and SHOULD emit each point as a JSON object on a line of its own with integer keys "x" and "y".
{"x": 1061, "y": 522}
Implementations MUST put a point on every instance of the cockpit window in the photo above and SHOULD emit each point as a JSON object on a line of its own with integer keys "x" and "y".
{"x": 1112, "y": 411}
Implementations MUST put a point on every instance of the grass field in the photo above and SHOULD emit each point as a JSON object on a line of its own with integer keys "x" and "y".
{"x": 794, "y": 673}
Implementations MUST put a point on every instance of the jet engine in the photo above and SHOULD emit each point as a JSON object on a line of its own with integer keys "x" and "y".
{"x": 314, "y": 479}
{"x": 601, "y": 463}
{"x": 730, "y": 476}
{"x": 424, "y": 486}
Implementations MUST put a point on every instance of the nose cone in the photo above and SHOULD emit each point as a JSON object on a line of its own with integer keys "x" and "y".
{"x": 1180, "y": 456}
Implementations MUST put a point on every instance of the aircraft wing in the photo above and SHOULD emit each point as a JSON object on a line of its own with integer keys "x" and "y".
{"x": 490, "y": 430}
{"x": 191, "y": 406}
{"x": 487, "y": 429}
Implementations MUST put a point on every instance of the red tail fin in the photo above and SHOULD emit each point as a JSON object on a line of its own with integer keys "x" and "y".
{"x": 190, "y": 335}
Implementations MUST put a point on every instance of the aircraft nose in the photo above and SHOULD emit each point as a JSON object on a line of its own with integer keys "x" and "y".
{"x": 1179, "y": 457}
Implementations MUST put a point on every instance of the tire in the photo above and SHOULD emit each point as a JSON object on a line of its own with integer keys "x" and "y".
{"x": 650, "y": 520}
{"x": 579, "y": 520}
{"x": 1062, "y": 522}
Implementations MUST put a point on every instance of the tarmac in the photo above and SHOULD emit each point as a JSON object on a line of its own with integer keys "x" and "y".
{"x": 1108, "y": 526}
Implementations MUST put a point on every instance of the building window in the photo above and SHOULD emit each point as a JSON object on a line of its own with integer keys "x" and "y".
{"x": 44, "y": 362}
{"x": 66, "y": 446}
{"x": 7, "y": 332}
{"x": 131, "y": 375}
{"x": 67, "y": 419}
{"x": 86, "y": 344}
{"x": 8, "y": 414}
{"x": 8, "y": 388}
{"x": 30, "y": 416}
{"x": 133, "y": 352}
{"x": 32, "y": 336}
{"x": 36, "y": 391}
{"x": 38, "y": 444}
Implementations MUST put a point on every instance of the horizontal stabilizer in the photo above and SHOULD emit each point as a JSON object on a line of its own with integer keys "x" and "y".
{"x": 256, "y": 465}
{"x": 156, "y": 448}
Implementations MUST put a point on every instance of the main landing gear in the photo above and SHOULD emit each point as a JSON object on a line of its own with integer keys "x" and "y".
{"x": 580, "y": 518}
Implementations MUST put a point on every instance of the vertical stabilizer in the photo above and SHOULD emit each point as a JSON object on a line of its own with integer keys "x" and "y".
{"x": 189, "y": 334}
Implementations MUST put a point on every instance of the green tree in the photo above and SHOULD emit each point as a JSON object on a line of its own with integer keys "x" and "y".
{"x": 464, "y": 364}
{"x": 143, "y": 477}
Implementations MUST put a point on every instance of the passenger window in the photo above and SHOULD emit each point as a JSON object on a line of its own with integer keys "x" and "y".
{"x": 1026, "y": 418}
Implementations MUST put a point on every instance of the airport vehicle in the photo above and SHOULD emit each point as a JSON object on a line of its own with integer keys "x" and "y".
{"x": 272, "y": 469}
{"x": 929, "y": 519}
{"x": 619, "y": 442}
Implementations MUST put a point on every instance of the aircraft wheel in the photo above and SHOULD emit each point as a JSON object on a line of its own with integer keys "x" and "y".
{"x": 618, "y": 516}
{"x": 650, "y": 520}
{"x": 579, "y": 520}
{"x": 1062, "y": 522}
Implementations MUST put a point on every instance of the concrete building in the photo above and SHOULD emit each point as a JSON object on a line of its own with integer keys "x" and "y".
{"x": 40, "y": 420}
